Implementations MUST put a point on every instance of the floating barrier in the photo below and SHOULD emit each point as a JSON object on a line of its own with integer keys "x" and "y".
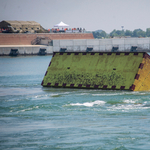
{"x": 99, "y": 70}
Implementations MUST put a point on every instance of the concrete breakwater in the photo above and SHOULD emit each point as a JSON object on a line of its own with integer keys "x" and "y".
{"x": 80, "y": 45}
{"x": 5, "y": 50}
{"x": 105, "y": 45}
{"x": 33, "y": 44}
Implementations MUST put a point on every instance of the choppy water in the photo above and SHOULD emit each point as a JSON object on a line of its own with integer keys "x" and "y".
{"x": 33, "y": 117}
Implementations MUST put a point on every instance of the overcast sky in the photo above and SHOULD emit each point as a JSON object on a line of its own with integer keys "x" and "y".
{"x": 89, "y": 14}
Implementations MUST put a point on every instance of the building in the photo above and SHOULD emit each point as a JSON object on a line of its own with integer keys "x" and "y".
{"x": 20, "y": 26}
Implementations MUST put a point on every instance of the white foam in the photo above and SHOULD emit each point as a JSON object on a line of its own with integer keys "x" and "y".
{"x": 46, "y": 95}
{"x": 89, "y": 104}
{"x": 138, "y": 93}
{"x": 28, "y": 109}
{"x": 126, "y": 107}
{"x": 66, "y": 93}
{"x": 38, "y": 97}
{"x": 25, "y": 110}
{"x": 109, "y": 94}
{"x": 54, "y": 95}
{"x": 83, "y": 94}
{"x": 119, "y": 93}
{"x": 132, "y": 101}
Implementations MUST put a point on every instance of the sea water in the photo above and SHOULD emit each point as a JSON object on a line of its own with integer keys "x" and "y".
{"x": 33, "y": 117}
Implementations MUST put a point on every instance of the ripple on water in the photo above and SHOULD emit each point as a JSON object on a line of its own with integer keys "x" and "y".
{"x": 89, "y": 104}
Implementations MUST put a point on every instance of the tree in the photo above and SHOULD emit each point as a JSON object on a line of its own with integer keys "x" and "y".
{"x": 142, "y": 34}
{"x": 103, "y": 34}
{"x": 139, "y": 33}
{"x": 113, "y": 33}
{"x": 95, "y": 34}
{"x": 148, "y": 32}
{"x": 117, "y": 33}
{"x": 135, "y": 32}
{"x": 99, "y": 35}
{"x": 128, "y": 33}
{"x": 120, "y": 32}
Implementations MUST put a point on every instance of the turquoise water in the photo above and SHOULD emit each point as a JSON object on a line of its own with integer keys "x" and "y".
{"x": 33, "y": 117}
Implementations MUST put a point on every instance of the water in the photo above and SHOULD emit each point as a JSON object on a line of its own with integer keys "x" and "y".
{"x": 33, "y": 117}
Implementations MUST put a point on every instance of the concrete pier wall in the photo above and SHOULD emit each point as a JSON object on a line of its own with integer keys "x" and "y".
{"x": 82, "y": 45}
{"x": 25, "y": 50}
{"x": 123, "y": 44}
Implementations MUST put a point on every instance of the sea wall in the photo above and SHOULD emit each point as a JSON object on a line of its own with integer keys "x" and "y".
{"x": 122, "y": 44}
{"x": 27, "y": 38}
{"x": 81, "y": 45}
{"x": 25, "y": 49}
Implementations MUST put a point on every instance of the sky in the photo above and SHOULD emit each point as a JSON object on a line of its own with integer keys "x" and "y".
{"x": 92, "y": 15}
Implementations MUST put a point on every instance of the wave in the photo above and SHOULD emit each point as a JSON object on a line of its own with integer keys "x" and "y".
{"x": 129, "y": 105}
{"x": 120, "y": 93}
{"x": 106, "y": 94}
{"x": 55, "y": 95}
{"x": 125, "y": 107}
{"x": 28, "y": 109}
{"x": 45, "y": 96}
{"x": 89, "y": 104}
{"x": 132, "y": 101}
{"x": 83, "y": 94}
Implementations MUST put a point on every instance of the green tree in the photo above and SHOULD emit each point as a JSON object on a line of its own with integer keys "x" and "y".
{"x": 113, "y": 33}
{"x": 142, "y": 34}
{"x": 96, "y": 34}
{"x": 135, "y": 33}
{"x": 117, "y": 33}
{"x": 139, "y": 33}
{"x": 103, "y": 34}
{"x": 128, "y": 33}
{"x": 99, "y": 35}
{"x": 120, "y": 32}
{"x": 148, "y": 32}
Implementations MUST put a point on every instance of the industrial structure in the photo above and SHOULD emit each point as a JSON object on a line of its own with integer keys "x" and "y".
{"x": 19, "y": 26}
